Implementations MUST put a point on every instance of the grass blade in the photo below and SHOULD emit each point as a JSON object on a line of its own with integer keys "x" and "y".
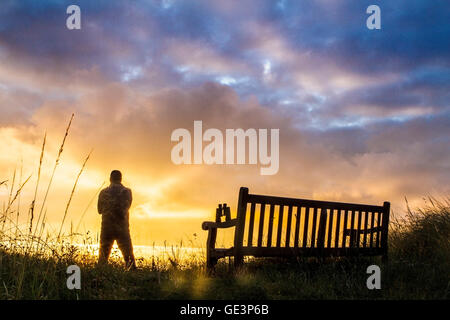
{"x": 37, "y": 183}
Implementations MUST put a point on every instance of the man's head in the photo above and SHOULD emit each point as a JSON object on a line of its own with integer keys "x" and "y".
{"x": 115, "y": 177}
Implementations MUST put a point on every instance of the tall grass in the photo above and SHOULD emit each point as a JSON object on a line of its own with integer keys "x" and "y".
{"x": 30, "y": 242}
{"x": 420, "y": 248}
{"x": 57, "y": 160}
{"x": 423, "y": 234}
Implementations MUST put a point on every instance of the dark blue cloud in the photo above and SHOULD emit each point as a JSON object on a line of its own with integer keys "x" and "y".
{"x": 131, "y": 41}
{"x": 412, "y": 32}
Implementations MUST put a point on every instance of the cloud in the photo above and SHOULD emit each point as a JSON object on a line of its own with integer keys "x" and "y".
{"x": 132, "y": 132}
{"x": 363, "y": 115}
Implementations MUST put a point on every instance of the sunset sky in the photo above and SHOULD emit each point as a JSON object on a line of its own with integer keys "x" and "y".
{"x": 364, "y": 115}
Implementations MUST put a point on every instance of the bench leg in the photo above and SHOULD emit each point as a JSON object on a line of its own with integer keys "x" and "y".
{"x": 211, "y": 260}
{"x": 210, "y": 264}
{"x": 238, "y": 261}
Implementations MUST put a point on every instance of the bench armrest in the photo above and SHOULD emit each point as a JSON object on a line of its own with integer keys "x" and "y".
{"x": 348, "y": 232}
{"x": 216, "y": 225}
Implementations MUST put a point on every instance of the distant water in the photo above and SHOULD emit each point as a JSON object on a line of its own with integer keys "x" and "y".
{"x": 157, "y": 253}
{"x": 150, "y": 254}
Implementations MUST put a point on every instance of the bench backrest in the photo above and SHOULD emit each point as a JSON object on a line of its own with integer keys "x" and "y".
{"x": 268, "y": 225}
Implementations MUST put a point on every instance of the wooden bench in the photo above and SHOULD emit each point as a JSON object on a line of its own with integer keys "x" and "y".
{"x": 268, "y": 226}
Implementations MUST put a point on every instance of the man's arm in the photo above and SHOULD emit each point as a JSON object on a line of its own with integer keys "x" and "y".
{"x": 101, "y": 202}
{"x": 128, "y": 199}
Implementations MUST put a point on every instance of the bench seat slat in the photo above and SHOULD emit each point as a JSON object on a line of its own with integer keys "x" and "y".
{"x": 222, "y": 252}
{"x": 347, "y": 232}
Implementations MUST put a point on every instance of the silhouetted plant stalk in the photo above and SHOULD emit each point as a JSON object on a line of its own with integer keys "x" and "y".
{"x": 9, "y": 197}
{"x": 53, "y": 173}
{"x": 72, "y": 193}
{"x": 11, "y": 201}
{"x": 12, "y": 186}
{"x": 37, "y": 183}
{"x": 18, "y": 200}
{"x": 16, "y": 195}
{"x": 42, "y": 225}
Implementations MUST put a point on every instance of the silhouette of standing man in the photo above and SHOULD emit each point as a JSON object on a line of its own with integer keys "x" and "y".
{"x": 113, "y": 204}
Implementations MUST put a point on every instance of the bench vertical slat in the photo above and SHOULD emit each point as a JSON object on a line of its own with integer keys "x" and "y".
{"x": 352, "y": 227}
{"x": 344, "y": 236}
{"x": 358, "y": 233}
{"x": 297, "y": 226}
{"x": 251, "y": 225}
{"x": 377, "y": 242}
{"x": 305, "y": 228}
{"x": 269, "y": 233}
{"x": 372, "y": 226}
{"x": 322, "y": 227}
{"x": 338, "y": 229}
{"x": 280, "y": 225}
{"x": 366, "y": 218}
{"x": 261, "y": 224}
{"x": 288, "y": 227}
{"x": 314, "y": 227}
{"x": 239, "y": 232}
{"x": 330, "y": 227}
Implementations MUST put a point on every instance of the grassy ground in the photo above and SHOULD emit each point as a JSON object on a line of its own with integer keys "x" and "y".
{"x": 419, "y": 268}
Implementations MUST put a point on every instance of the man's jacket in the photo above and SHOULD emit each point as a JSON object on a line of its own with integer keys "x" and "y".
{"x": 113, "y": 204}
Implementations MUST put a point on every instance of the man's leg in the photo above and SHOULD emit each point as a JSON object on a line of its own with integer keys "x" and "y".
{"x": 106, "y": 243}
{"x": 126, "y": 247}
